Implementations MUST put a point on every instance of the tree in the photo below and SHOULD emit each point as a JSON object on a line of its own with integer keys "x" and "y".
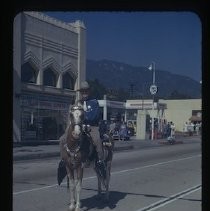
{"x": 177, "y": 95}
{"x": 98, "y": 90}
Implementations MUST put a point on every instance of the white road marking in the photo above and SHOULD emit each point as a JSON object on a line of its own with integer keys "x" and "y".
{"x": 156, "y": 164}
{"x": 170, "y": 199}
{"x": 113, "y": 173}
{"x": 35, "y": 189}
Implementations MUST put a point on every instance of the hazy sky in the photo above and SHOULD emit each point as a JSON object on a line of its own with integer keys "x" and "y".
{"x": 171, "y": 39}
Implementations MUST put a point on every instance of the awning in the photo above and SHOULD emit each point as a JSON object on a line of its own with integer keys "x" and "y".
{"x": 195, "y": 118}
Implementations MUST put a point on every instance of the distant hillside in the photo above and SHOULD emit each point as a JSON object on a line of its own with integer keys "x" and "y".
{"x": 118, "y": 75}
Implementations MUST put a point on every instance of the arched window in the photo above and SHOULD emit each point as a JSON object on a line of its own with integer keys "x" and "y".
{"x": 68, "y": 81}
{"x": 28, "y": 73}
{"x": 50, "y": 77}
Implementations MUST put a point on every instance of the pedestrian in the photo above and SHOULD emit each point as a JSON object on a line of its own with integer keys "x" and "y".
{"x": 165, "y": 132}
{"x": 185, "y": 128}
{"x": 123, "y": 131}
{"x": 197, "y": 128}
{"x": 172, "y": 129}
{"x": 168, "y": 129}
{"x": 191, "y": 128}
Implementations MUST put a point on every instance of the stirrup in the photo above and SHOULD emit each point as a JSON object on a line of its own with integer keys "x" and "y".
{"x": 100, "y": 161}
{"x": 109, "y": 144}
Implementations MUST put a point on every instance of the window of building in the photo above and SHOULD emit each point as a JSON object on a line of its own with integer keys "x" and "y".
{"x": 28, "y": 73}
{"x": 68, "y": 81}
{"x": 50, "y": 77}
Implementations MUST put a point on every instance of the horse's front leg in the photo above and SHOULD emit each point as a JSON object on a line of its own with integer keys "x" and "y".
{"x": 99, "y": 185}
{"x": 78, "y": 184}
{"x": 72, "y": 189}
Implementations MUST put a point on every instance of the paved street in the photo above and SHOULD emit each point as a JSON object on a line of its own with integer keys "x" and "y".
{"x": 150, "y": 176}
{"x": 34, "y": 151}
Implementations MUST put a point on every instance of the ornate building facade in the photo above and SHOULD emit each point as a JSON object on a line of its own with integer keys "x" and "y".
{"x": 49, "y": 63}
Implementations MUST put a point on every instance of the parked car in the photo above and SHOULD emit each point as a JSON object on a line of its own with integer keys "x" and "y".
{"x": 116, "y": 135}
{"x": 122, "y": 133}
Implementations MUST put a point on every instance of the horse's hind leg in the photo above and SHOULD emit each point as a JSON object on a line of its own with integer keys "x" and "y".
{"x": 99, "y": 186}
{"x": 99, "y": 182}
{"x": 108, "y": 174}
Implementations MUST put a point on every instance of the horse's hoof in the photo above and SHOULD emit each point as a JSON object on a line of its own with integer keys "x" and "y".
{"x": 71, "y": 207}
{"x": 77, "y": 207}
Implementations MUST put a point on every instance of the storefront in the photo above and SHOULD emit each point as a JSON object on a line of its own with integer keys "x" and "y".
{"x": 49, "y": 63}
{"x": 43, "y": 116}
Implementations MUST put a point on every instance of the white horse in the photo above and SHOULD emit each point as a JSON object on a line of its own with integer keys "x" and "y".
{"x": 75, "y": 147}
{"x": 74, "y": 150}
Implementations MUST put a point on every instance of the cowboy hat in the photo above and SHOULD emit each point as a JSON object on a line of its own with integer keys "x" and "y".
{"x": 84, "y": 86}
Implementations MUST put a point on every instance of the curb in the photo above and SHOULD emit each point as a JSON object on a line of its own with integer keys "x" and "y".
{"x": 167, "y": 142}
{"x": 123, "y": 148}
{"x": 35, "y": 156}
{"x": 35, "y": 143}
{"x": 56, "y": 154}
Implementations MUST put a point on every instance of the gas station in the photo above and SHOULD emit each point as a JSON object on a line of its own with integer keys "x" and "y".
{"x": 136, "y": 111}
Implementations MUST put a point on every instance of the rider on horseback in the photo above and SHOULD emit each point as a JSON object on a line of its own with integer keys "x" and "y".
{"x": 91, "y": 108}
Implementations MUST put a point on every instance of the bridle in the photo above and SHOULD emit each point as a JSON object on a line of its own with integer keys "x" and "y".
{"x": 72, "y": 113}
{"x": 76, "y": 118}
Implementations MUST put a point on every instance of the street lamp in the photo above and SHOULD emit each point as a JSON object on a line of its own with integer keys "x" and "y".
{"x": 153, "y": 91}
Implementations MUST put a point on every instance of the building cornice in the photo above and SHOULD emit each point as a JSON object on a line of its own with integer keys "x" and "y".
{"x": 73, "y": 27}
{"x": 46, "y": 90}
{"x": 38, "y": 41}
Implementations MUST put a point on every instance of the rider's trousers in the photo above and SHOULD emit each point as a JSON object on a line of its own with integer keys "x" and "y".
{"x": 97, "y": 141}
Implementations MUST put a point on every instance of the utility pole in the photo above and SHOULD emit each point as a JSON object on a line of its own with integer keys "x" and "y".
{"x": 153, "y": 91}
{"x": 131, "y": 90}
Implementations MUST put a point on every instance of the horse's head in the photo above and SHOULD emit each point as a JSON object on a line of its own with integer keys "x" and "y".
{"x": 76, "y": 117}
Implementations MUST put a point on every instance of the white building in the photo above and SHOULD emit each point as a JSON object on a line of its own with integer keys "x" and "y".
{"x": 181, "y": 111}
{"x": 49, "y": 61}
{"x": 177, "y": 111}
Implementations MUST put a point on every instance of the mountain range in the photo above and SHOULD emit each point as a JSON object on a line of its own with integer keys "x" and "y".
{"x": 137, "y": 80}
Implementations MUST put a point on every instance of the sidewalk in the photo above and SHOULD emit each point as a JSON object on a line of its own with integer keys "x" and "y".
{"x": 51, "y": 149}
{"x": 37, "y": 150}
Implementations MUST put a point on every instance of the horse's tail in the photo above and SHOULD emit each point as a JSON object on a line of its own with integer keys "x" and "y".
{"x": 61, "y": 172}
